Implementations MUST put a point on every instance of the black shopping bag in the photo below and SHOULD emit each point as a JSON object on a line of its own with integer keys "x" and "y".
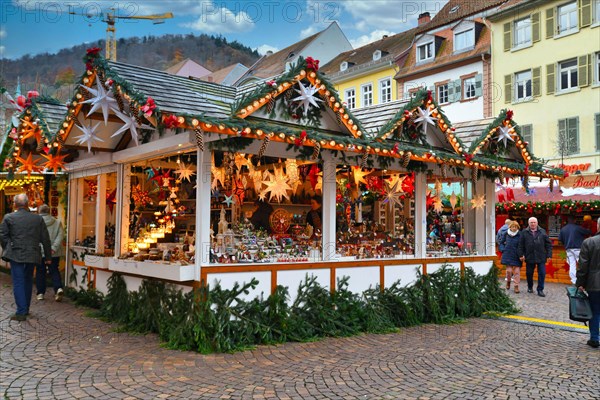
{"x": 579, "y": 305}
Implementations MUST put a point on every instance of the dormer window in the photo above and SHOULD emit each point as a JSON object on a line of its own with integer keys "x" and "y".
{"x": 376, "y": 55}
{"x": 425, "y": 52}
{"x": 464, "y": 40}
{"x": 345, "y": 65}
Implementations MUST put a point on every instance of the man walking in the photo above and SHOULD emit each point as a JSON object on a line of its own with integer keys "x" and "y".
{"x": 21, "y": 234}
{"x": 588, "y": 279}
{"x": 535, "y": 248}
{"x": 571, "y": 236}
{"x": 57, "y": 233}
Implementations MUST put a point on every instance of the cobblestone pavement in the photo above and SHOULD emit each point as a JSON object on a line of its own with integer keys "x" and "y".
{"x": 59, "y": 353}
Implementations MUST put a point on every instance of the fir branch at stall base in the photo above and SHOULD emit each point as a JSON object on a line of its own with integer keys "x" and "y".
{"x": 224, "y": 320}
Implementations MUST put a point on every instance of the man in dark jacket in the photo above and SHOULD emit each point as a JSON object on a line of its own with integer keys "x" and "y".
{"x": 21, "y": 234}
{"x": 571, "y": 235}
{"x": 535, "y": 248}
{"x": 588, "y": 279}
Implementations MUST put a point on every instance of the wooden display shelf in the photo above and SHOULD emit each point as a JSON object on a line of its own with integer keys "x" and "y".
{"x": 173, "y": 272}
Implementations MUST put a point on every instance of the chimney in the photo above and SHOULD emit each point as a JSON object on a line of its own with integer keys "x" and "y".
{"x": 269, "y": 53}
{"x": 424, "y": 18}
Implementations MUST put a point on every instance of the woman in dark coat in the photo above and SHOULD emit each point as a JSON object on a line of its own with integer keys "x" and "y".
{"x": 510, "y": 242}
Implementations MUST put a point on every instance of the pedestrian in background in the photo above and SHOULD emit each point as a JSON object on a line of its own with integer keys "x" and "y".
{"x": 510, "y": 244}
{"x": 21, "y": 234}
{"x": 535, "y": 249}
{"x": 501, "y": 232}
{"x": 56, "y": 233}
{"x": 588, "y": 279}
{"x": 571, "y": 236}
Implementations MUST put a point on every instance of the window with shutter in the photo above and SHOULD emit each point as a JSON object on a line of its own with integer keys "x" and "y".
{"x": 350, "y": 95}
{"x": 507, "y": 88}
{"x": 527, "y": 135}
{"x": 597, "y": 117}
{"x": 567, "y": 18}
{"x": 523, "y": 90}
{"x": 597, "y": 68}
{"x": 468, "y": 88}
{"x": 537, "y": 81}
{"x": 584, "y": 70}
{"x": 507, "y": 37}
{"x": 550, "y": 78}
{"x": 568, "y": 136}
{"x": 522, "y": 33}
{"x": 585, "y": 12}
{"x": 478, "y": 85}
{"x": 535, "y": 27}
{"x": 549, "y": 23}
{"x": 367, "y": 95}
{"x": 567, "y": 75}
{"x": 596, "y": 12}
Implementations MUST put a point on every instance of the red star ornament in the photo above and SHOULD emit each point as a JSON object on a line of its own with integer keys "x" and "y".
{"x": 28, "y": 164}
{"x": 111, "y": 200}
{"x": 551, "y": 269}
{"x": 55, "y": 162}
{"x": 239, "y": 190}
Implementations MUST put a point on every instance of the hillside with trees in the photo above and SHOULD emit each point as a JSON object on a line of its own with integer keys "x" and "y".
{"x": 56, "y": 74}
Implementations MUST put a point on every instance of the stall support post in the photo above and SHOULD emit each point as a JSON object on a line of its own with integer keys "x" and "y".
{"x": 123, "y": 212}
{"x": 490, "y": 213}
{"x": 328, "y": 207}
{"x": 480, "y": 236}
{"x": 73, "y": 222}
{"x": 203, "y": 193}
{"x": 100, "y": 213}
{"x": 420, "y": 215}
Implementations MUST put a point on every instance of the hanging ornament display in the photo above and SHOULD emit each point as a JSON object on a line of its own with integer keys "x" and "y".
{"x": 277, "y": 186}
{"x": 129, "y": 123}
{"x": 313, "y": 176}
{"x": 263, "y": 146}
{"x": 239, "y": 190}
{"x": 218, "y": 175}
{"x": 140, "y": 196}
{"x": 438, "y": 206}
{"x": 504, "y": 134}
{"x": 28, "y": 165}
{"x": 291, "y": 170}
{"x": 88, "y": 137}
{"x": 478, "y": 202}
{"x": 307, "y": 97}
{"x": 453, "y": 200}
{"x": 102, "y": 100}
{"x": 359, "y": 175}
{"x": 55, "y": 162}
{"x": 394, "y": 193}
{"x": 111, "y": 199}
{"x": 199, "y": 138}
{"x": 425, "y": 118}
{"x": 316, "y": 151}
{"x": 185, "y": 172}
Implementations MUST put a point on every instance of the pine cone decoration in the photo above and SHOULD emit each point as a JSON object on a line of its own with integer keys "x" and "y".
{"x": 133, "y": 110}
{"x": 551, "y": 185}
{"x": 101, "y": 79}
{"x": 474, "y": 173}
{"x": 316, "y": 151}
{"x": 406, "y": 159}
{"x": 40, "y": 146}
{"x": 60, "y": 140}
{"x": 199, "y": 138}
{"x": 263, "y": 147}
{"x": 288, "y": 95}
{"x": 444, "y": 170}
{"x": 363, "y": 161}
{"x": 501, "y": 175}
{"x": 270, "y": 105}
{"x": 119, "y": 100}
{"x": 338, "y": 118}
{"x": 526, "y": 182}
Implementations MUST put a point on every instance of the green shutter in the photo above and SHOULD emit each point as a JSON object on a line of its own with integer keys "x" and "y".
{"x": 479, "y": 85}
{"x": 507, "y": 36}
{"x": 562, "y": 142}
{"x": 550, "y": 78}
{"x": 535, "y": 27}
{"x": 536, "y": 81}
{"x": 585, "y": 13}
{"x": 507, "y": 88}
{"x": 550, "y": 23}
{"x": 457, "y": 90}
{"x": 573, "y": 135}
{"x": 597, "y": 117}
{"x": 583, "y": 70}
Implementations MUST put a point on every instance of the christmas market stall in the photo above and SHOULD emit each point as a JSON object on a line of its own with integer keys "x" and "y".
{"x": 193, "y": 183}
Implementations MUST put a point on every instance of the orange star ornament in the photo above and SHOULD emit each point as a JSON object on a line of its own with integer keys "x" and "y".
{"x": 28, "y": 164}
{"x": 55, "y": 162}
{"x": 30, "y": 130}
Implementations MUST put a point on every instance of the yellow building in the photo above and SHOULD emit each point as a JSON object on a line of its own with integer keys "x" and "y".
{"x": 365, "y": 76}
{"x": 546, "y": 67}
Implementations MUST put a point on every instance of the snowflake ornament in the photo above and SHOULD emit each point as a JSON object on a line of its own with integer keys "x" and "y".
{"x": 101, "y": 100}
{"x": 89, "y": 136}
{"x": 307, "y": 97}
{"x": 504, "y": 135}
{"x": 425, "y": 119}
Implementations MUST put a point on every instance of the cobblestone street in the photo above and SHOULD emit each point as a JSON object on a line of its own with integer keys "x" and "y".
{"x": 60, "y": 353}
